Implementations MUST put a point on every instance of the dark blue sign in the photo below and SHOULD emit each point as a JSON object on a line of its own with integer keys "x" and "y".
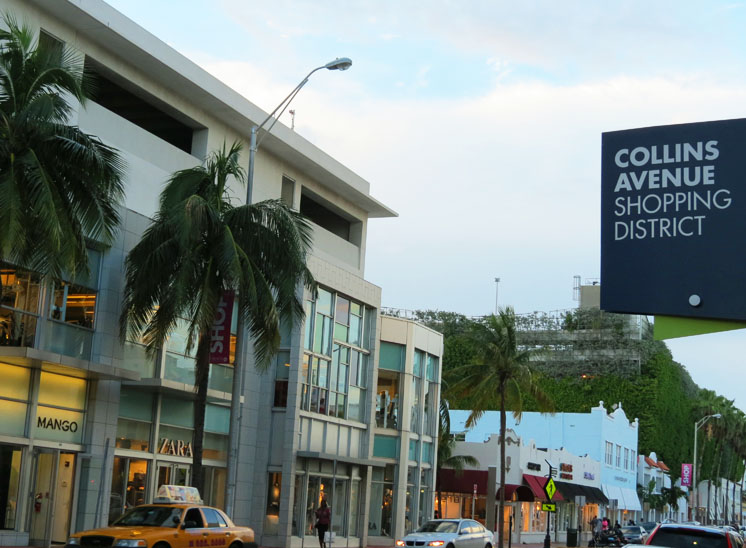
{"x": 673, "y": 220}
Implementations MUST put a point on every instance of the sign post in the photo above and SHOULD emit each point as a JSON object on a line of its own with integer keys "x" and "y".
{"x": 549, "y": 489}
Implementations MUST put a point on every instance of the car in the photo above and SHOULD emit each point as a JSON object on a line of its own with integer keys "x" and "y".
{"x": 176, "y": 519}
{"x": 634, "y": 534}
{"x": 649, "y": 526}
{"x": 450, "y": 533}
{"x": 688, "y": 536}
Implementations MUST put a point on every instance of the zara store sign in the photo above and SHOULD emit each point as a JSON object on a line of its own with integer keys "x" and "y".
{"x": 673, "y": 220}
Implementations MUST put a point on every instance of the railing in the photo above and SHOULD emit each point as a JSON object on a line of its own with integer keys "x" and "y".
{"x": 181, "y": 369}
{"x": 134, "y": 358}
{"x": 68, "y": 339}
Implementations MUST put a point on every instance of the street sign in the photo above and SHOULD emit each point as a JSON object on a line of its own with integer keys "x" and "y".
{"x": 548, "y": 507}
{"x": 672, "y": 220}
{"x": 550, "y": 488}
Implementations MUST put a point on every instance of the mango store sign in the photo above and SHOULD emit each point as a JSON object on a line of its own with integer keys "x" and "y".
{"x": 673, "y": 223}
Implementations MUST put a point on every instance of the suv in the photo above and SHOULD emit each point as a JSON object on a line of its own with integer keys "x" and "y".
{"x": 692, "y": 536}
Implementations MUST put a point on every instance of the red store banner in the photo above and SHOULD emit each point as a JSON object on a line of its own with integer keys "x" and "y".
{"x": 686, "y": 475}
{"x": 220, "y": 334}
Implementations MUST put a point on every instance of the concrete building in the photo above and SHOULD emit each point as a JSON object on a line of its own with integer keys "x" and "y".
{"x": 92, "y": 427}
{"x": 653, "y": 476}
{"x": 609, "y": 438}
{"x": 578, "y": 481}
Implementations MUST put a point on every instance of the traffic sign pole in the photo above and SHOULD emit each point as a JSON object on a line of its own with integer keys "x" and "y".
{"x": 549, "y": 490}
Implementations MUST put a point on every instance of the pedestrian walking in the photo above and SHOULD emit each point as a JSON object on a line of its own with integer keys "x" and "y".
{"x": 323, "y": 518}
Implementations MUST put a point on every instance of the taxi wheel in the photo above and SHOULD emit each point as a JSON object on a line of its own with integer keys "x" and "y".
{"x": 237, "y": 545}
{"x": 162, "y": 545}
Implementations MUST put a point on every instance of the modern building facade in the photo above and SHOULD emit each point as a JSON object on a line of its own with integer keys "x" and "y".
{"x": 93, "y": 426}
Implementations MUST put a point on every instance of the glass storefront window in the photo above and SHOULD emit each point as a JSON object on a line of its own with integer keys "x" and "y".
{"x": 414, "y": 424}
{"x": 73, "y": 304}
{"x": 387, "y": 400}
{"x": 128, "y": 485}
{"x": 16, "y": 382}
{"x": 55, "y": 424}
{"x": 215, "y": 479}
{"x": 272, "y": 516}
{"x": 135, "y": 358}
{"x": 62, "y": 391}
{"x": 10, "y": 471}
{"x": 215, "y": 446}
{"x": 430, "y": 424}
{"x": 17, "y": 329}
{"x": 298, "y": 504}
{"x": 382, "y": 501}
{"x": 133, "y": 434}
{"x": 19, "y": 289}
{"x": 423, "y": 508}
{"x": 282, "y": 374}
{"x": 354, "y": 508}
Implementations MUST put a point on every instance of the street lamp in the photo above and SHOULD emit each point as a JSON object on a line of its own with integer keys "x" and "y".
{"x": 497, "y": 284}
{"x": 239, "y": 377}
{"x": 697, "y": 425}
{"x": 341, "y": 63}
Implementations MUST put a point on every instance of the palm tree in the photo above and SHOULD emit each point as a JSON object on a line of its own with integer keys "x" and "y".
{"x": 198, "y": 246}
{"x": 499, "y": 378}
{"x": 446, "y": 458}
{"x": 58, "y": 185}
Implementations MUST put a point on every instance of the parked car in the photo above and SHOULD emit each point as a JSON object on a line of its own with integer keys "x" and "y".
{"x": 634, "y": 534}
{"x": 450, "y": 533}
{"x": 649, "y": 526}
{"x": 689, "y": 536}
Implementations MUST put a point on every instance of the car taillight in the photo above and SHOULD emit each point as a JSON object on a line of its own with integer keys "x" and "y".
{"x": 730, "y": 545}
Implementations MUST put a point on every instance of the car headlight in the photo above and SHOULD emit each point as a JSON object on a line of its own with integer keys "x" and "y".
{"x": 436, "y": 543}
{"x": 131, "y": 542}
{"x": 74, "y": 540}
{"x": 401, "y": 543}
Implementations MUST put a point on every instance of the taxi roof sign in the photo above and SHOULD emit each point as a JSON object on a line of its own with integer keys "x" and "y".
{"x": 178, "y": 493}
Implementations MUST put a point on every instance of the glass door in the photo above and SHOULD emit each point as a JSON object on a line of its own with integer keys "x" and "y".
{"x": 128, "y": 485}
{"x": 53, "y": 484}
{"x": 171, "y": 474}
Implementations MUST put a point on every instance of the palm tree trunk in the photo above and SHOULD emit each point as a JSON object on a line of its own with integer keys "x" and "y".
{"x": 440, "y": 496}
{"x": 501, "y": 506}
{"x": 201, "y": 378}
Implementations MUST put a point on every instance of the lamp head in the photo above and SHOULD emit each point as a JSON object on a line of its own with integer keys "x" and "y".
{"x": 341, "y": 63}
{"x": 716, "y": 416}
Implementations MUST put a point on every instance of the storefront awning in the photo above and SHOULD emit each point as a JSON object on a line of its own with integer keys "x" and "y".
{"x": 594, "y": 495}
{"x": 523, "y": 493}
{"x": 631, "y": 500}
{"x": 463, "y": 482}
{"x": 625, "y": 499}
{"x": 569, "y": 490}
{"x": 536, "y": 483}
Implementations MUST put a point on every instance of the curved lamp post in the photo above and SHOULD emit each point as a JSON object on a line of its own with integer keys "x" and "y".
{"x": 695, "y": 492}
{"x": 239, "y": 375}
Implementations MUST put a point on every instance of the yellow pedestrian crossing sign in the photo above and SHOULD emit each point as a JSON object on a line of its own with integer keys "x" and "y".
{"x": 548, "y": 507}
{"x": 550, "y": 488}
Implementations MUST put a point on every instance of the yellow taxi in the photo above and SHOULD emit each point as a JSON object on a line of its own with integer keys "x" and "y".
{"x": 176, "y": 519}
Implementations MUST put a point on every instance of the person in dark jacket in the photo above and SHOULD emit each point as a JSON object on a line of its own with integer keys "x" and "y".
{"x": 323, "y": 518}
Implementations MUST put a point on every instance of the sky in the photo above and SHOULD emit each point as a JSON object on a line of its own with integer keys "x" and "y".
{"x": 479, "y": 122}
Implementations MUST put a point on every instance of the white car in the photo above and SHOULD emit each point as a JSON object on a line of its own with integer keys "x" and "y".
{"x": 450, "y": 533}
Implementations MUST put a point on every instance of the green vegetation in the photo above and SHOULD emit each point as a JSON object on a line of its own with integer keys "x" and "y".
{"x": 201, "y": 244}
{"x": 590, "y": 356}
{"x": 59, "y": 186}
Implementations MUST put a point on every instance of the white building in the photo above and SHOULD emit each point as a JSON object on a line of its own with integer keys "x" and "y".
{"x": 309, "y": 428}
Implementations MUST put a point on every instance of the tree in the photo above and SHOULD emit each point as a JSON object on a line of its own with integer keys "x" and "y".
{"x": 499, "y": 378}
{"x": 200, "y": 245}
{"x": 446, "y": 445}
{"x": 58, "y": 185}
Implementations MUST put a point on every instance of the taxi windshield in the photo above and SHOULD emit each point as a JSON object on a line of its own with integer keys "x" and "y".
{"x": 153, "y": 516}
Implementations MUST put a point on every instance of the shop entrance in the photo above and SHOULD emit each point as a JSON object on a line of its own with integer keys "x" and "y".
{"x": 51, "y": 496}
{"x": 171, "y": 474}
{"x": 128, "y": 485}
